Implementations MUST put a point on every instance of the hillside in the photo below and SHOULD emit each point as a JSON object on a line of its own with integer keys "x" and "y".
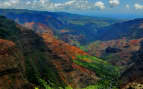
{"x": 32, "y": 60}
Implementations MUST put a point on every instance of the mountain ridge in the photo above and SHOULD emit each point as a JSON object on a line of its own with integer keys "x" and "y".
{"x": 57, "y": 21}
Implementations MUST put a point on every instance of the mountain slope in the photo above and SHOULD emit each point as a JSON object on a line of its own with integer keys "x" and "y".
{"x": 40, "y": 59}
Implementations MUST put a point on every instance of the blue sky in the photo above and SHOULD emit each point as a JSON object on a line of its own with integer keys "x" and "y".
{"x": 106, "y": 8}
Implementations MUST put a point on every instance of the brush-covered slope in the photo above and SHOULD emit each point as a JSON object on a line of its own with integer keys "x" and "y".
{"x": 68, "y": 27}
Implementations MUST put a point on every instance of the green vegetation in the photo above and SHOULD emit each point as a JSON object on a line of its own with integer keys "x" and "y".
{"x": 41, "y": 72}
{"x": 83, "y": 48}
{"x": 99, "y": 85}
{"x": 108, "y": 73}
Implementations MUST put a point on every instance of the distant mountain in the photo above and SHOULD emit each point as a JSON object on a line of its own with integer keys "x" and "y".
{"x": 122, "y": 44}
{"x": 124, "y": 36}
{"x": 132, "y": 29}
{"x": 71, "y": 28}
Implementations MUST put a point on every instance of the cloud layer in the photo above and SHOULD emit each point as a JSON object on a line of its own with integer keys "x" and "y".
{"x": 50, "y": 5}
{"x": 65, "y": 5}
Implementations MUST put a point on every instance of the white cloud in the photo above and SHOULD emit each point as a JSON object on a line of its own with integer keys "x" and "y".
{"x": 70, "y": 2}
{"x": 114, "y": 3}
{"x": 138, "y": 6}
{"x": 42, "y": 1}
{"x": 28, "y": 2}
{"x": 14, "y": 1}
{"x": 74, "y": 5}
{"x": 7, "y": 4}
{"x": 100, "y": 5}
{"x": 127, "y": 6}
{"x": 58, "y": 5}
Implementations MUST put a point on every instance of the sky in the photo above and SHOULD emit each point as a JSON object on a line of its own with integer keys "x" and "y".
{"x": 106, "y": 8}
